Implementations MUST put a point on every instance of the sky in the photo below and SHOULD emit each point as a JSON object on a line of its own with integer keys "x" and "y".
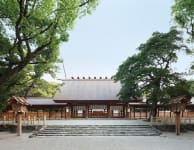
{"x": 100, "y": 42}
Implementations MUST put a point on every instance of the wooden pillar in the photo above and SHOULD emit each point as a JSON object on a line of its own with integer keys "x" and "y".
{"x": 177, "y": 123}
{"x": 108, "y": 111}
{"x": 125, "y": 111}
{"x": 44, "y": 120}
{"x": 71, "y": 111}
{"x": 65, "y": 111}
{"x": 134, "y": 112}
{"x": 146, "y": 113}
{"x": 49, "y": 111}
{"x": 182, "y": 114}
{"x": 19, "y": 123}
{"x": 130, "y": 112}
{"x": 4, "y": 120}
{"x": 86, "y": 111}
{"x": 61, "y": 113}
{"x": 140, "y": 114}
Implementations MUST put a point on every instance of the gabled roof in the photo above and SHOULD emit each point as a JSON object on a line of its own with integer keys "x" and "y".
{"x": 88, "y": 89}
{"x": 18, "y": 100}
{"x": 180, "y": 99}
{"x": 42, "y": 101}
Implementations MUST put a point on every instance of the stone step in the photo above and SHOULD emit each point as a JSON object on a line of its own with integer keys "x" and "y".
{"x": 98, "y": 130}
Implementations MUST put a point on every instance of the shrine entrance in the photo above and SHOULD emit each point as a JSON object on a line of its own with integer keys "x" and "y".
{"x": 117, "y": 111}
{"x": 97, "y": 111}
{"x": 78, "y": 111}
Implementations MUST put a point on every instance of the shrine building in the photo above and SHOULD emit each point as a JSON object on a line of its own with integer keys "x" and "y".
{"x": 90, "y": 98}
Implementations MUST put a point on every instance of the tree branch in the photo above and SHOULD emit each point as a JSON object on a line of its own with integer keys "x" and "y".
{"x": 18, "y": 29}
{"x": 84, "y": 3}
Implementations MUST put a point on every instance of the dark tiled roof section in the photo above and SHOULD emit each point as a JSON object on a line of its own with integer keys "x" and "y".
{"x": 88, "y": 89}
{"x": 180, "y": 99}
{"x": 42, "y": 101}
{"x": 18, "y": 100}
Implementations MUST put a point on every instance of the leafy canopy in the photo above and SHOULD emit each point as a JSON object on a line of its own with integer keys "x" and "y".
{"x": 183, "y": 14}
{"x": 30, "y": 35}
{"x": 149, "y": 71}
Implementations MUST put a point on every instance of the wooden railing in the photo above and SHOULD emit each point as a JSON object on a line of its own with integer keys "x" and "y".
{"x": 10, "y": 115}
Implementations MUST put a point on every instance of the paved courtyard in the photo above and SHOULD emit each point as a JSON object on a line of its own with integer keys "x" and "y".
{"x": 167, "y": 141}
{"x": 97, "y": 121}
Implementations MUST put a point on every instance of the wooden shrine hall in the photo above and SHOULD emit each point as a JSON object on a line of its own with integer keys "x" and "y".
{"x": 90, "y": 98}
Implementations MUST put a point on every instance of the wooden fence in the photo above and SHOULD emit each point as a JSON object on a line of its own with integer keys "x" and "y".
{"x": 39, "y": 115}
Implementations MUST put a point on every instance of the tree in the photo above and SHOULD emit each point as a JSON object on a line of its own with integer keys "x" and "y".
{"x": 39, "y": 88}
{"x": 181, "y": 88}
{"x": 44, "y": 89}
{"x": 36, "y": 88}
{"x": 183, "y": 14}
{"x": 30, "y": 34}
{"x": 148, "y": 72}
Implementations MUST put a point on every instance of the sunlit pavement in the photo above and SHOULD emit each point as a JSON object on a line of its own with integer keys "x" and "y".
{"x": 96, "y": 122}
{"x": 167, "y": 141}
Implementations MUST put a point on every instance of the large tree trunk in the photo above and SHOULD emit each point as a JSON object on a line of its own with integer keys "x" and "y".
{"x": 154, "y": 109}
{"x": 8, "y": 79}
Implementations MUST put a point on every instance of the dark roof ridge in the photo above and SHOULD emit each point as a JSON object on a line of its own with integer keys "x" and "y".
{"x": 88, "y": 80}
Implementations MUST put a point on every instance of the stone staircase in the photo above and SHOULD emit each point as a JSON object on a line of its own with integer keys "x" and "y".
{"x": 97, "y": 130}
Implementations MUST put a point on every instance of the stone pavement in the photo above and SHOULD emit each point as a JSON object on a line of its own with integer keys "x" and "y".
{"x": 97, "y": 122}
{"x": 164, "y": 142}
{"x": 167, "y": 141}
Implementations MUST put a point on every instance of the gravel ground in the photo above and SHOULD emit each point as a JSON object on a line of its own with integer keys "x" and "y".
{"x": 167, "y": 141}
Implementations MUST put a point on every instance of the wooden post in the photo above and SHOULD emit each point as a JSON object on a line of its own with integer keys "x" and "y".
{"x": 125, "y": 111}
{"x": 71, "y": 111}
{"x": 140, "y": 114}
{"x": 130, "y": 112}
{"x": 146, "y": 113}
{"x": 134, "y": 112}
{"x": 86, "y": 111}
{"x": 108, "y": 111}
{"x": 19, "y": 123}
{"x": 44, "y": 120}
{"x": 29, "y": 120}
{"x": 177, "y": 123}
{"x": 4, "y": 120}
{"x": 67, "y": 112}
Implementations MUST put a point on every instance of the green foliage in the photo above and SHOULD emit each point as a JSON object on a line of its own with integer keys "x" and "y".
{"x": 43, "y": 88}
{"x": 3, "y": 102}
{"x": 183, "y": 14}
{"x": 148, "y": 72}
{"x": 30, "y": 35}
{"x": 181, "y": 88}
